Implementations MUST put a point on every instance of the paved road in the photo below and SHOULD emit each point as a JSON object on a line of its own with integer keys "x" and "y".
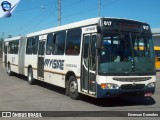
{"x": 17, "y": 95}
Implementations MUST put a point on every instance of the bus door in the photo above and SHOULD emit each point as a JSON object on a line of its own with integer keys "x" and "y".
{"x": 89, "y": 64}
{"x": 5, "y": 53}
{"x": 41, "y": 59}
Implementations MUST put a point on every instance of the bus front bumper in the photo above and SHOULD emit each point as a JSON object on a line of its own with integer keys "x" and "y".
{"x": 128, "y": 90}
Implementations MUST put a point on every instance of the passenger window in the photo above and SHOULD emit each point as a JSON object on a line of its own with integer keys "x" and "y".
{"x": 49, "y": 45}
{"x": 32, "y": 45}
{"x": 16, "y": 44}
{"x": 13, "y": 47}
{"x": 35, "y": 45}
{"x": 5, "y": 48}
{"x": 29, "y": 46}
{"x": 73, "y": 41}
{"x": 59, "y": 43}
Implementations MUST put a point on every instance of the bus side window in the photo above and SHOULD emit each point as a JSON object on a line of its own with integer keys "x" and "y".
{"x": 59, "y": 43}
{"x": 9, "y": 48}
{"x": 5, "y": 48}
{"x": 73, "y": 41}
{"x": 16, "y": 45}
{"x": 13, "y": 47}
{"x": 35, "y": 45}
{"x": 49, "y": 45}
{"x": 29, "y": 46}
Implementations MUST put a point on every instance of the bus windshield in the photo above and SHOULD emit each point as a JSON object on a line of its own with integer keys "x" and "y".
{"x": 126, "y": 52}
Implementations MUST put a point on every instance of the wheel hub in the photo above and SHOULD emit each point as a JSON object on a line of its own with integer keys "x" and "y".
{"x": 73, "y": 86}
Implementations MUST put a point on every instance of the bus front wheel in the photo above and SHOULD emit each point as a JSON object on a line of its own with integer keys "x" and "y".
{"x": 73, "y": 88}
{"x": 31, "y": 80}
{"x": 67, "y": 88}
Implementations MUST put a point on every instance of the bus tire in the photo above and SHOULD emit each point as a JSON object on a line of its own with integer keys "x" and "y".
{"x": 67, "y": 88}
{"x": 9, "y": 70}
{"x": 31, "y": 81}
{"x": 73, "y": 88}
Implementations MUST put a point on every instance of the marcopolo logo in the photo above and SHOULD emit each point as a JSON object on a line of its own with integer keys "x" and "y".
{"x": 7, "y": 7}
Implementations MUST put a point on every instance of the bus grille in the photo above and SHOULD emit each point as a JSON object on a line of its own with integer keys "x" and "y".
{"x": 131, "y": 86}
{"x": 132, "y": 79}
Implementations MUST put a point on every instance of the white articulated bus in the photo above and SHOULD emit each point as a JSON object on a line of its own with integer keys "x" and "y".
{"x": 99, "y": 57}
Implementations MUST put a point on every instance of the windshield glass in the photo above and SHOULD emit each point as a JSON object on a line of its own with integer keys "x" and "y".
{"x": 126, "y": 52}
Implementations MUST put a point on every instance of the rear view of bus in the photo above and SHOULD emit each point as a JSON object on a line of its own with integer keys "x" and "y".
{"x": 122, "y": 68}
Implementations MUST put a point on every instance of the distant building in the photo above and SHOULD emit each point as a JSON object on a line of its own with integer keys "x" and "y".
{"x": 156, "y": 36}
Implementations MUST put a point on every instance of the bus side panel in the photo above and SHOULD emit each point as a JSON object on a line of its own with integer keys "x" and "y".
{"x": 22, "y": 55}
{"x": 13, "y": 60}
{"x": 31, "y": 60}
{"x": 56, "y": 67}
{"x": 54, "y": 70}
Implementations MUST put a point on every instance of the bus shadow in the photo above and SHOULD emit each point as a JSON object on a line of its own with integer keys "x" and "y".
{"x": 121, "y": 101}
{"x": 51, "y": 87}
{"x": 41, "y": 84}
{"x": 22, "y": 77}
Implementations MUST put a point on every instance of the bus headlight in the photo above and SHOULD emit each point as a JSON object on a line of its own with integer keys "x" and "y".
{"x": 109, "y": 86}
{"x": 152, "y": 84}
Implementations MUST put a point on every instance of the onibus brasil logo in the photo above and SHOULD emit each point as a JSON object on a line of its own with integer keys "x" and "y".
{"x": 7, "y": 7}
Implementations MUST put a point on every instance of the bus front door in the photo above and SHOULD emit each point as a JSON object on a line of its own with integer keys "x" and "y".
{"x": 41, "y": 59}
{"x": 89, "y": 64}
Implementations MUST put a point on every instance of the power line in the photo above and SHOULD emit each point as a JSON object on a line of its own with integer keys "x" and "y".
{"x": 91, "y": 9}
{"x": 74, "y": 3}
{"x": 109, "y": 3}
{"x": 74, "y": 14}
{"x": 35, "y": 25}
{"x": 82, "y": 12}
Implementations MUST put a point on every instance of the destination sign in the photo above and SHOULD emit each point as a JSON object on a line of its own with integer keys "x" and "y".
{"x": 126, "y": 25}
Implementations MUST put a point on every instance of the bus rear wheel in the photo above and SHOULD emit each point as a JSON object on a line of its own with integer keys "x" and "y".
{"x": 31, "y": 81}
{"x": 73, "y": 88}
{"x": 9, "y": 70}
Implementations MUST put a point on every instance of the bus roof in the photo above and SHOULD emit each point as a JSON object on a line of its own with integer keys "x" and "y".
{"x": 13, "y": 38}
{"x": 91, "y": 21}
{"x": 87, "y": 22}
{"x": 156, "y": 31}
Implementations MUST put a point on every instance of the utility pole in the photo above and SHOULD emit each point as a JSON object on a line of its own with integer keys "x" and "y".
{"x": 59, "y": 12}
{"x": 99, "y": 8}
